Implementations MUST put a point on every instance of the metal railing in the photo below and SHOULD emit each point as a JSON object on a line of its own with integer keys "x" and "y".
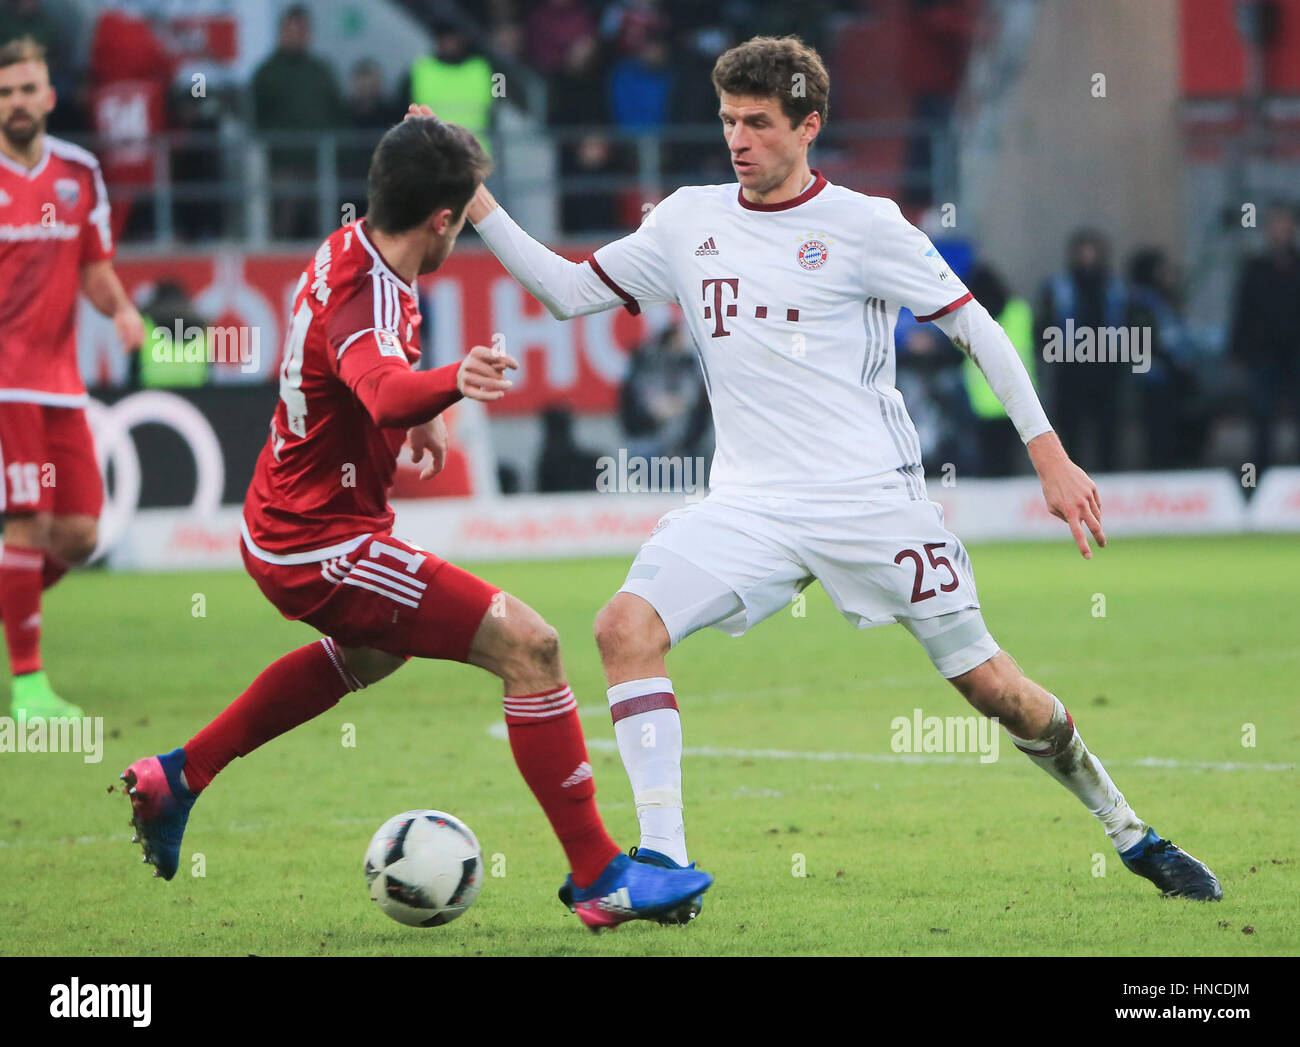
{"x": 252, "y": 183}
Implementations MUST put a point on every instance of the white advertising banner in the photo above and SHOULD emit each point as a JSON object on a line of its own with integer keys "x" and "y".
{"x": 1197, "y": 502}
{"x": 527, "y": 527}
{"x": 1276, "y": 505}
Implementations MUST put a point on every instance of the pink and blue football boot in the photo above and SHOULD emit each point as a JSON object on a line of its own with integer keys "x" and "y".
{"x": 160, "y": 807}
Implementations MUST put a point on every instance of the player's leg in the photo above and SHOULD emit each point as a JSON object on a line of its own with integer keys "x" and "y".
{"x": 474, "y": 622}
{"x": 54, "y": 473}
{"x": 78, "y": 492}
{"x": 517, "y": 645}
{"x": 290, "y": 691}
{"x": 633, "y": 642}
{"x": 29, "y": 482}
{"x": 21, "y": 560}
{"x": 72, "y": 540}
{"x": 1044, "y": 731}
{"x": 669, "y": 594}
{"x": 928, "y": 584}
{"x": 28, "y": 566}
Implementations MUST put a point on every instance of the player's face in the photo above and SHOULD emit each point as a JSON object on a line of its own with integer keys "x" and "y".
{"x": 26, "y": 99}
{"x": 765, "y": 149}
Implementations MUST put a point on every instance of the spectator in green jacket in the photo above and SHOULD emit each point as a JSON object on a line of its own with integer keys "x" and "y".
{"x": 162, "y": 363}
{"x": 455, "y": 83}
{"x": 293, "y": 90}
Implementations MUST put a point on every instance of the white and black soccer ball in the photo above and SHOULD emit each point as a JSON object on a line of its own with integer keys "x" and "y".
{"x": 424, "y": 868}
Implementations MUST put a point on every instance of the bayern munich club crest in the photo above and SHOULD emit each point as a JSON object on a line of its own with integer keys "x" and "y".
{"x": 812, "y": 254}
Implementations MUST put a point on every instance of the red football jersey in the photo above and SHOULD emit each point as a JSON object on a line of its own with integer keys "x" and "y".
{"x": 322, "y": 480}
{"x": 53, "y": 220}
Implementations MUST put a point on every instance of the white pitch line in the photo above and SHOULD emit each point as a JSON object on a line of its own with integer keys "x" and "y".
{"x": 499, "y": 731}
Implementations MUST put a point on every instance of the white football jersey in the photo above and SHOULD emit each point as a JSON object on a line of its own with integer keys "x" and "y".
{"x": 792, "y": 307}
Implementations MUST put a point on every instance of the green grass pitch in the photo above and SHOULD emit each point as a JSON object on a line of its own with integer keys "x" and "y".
{"x": 1195, "y": 653}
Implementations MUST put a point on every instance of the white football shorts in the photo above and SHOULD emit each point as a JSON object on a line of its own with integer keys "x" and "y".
{"x": 732, "y": 560}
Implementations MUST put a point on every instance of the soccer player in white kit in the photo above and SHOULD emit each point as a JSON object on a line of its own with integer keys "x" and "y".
{"x": 790, "y": 287}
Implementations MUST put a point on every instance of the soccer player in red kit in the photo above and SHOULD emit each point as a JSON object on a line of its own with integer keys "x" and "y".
{"x": 54, "y": 240}
{"x": 318, "y": 540}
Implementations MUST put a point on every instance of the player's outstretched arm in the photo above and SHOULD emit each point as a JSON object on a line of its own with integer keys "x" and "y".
{"x": 1070, "y": 493}
{"x": 566, "y": 288}
{"x": 100, "y": 284}
{"x": 398, "y": 398}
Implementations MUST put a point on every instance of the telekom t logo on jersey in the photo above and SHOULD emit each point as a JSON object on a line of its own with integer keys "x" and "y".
{"x": 720, "y": 308}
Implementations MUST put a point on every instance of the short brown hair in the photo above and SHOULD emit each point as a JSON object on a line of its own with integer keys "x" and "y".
{"x": 21, "y": 49}
{"x": 421, "y": 166}
{"x": 781, "y": 67}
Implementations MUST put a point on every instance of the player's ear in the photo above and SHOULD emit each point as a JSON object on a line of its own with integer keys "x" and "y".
{"x": 812, "y": 126}
{"x": 441, "y": 221}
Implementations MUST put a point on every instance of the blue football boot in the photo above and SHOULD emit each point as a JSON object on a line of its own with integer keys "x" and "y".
{"x": 1173, "y": 870}
{"x": 160, "y": 807}
{"x": 633, "y": 890}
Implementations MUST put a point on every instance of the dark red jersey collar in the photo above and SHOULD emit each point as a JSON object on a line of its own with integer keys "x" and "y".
{"x": 818, "y": 184}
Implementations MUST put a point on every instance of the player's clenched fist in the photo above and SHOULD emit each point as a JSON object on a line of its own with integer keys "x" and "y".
{"x": 482, "y": 374}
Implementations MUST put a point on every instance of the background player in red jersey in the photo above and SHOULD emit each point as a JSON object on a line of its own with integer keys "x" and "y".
{"x": 54, "y": 239}
{"x": 317, "y": 533}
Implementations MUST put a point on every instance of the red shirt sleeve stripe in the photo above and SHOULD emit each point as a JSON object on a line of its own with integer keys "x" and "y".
{"x": 946, "y": 309}
{"x": 629, "y": 303}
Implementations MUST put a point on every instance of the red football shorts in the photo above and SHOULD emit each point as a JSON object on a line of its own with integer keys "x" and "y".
{"x": 386, "y": 593}
{"x": 48, "y": 460}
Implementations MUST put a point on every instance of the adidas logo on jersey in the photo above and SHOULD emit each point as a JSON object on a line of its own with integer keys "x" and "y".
{"x": 582, "y": 773}
{"x": 708, "y": 247}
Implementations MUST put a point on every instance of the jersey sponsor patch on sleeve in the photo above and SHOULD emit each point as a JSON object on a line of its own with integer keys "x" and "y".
{"x": 389, "y": 344}
{"x": 936, "y": 263}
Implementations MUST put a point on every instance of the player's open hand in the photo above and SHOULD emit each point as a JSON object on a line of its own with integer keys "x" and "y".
{"x": 430, "y": 437}
{"x": 417, "y": 110}
{"x": 1070, "y": 493}
{"x": 482, "y": 373}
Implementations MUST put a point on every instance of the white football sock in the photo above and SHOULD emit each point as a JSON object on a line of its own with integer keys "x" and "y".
{"x": 1062, "y": 754}
{"x": 649, "y": 732}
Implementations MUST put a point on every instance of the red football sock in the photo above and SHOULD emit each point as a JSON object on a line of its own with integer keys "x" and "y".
{"x": 300, "y": 686}
{"x": 20, "y": 606}
{"x": 546, "y": 739}
{"x": 52, "y": 570}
